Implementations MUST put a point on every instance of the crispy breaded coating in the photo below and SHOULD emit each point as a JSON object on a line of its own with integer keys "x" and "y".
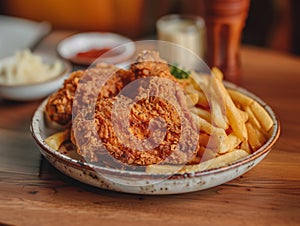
{"x": 104, "y": 80}
{"x": 149, "y": 63}
{"x": 59, "y": 105}
{"x": 159, "y": 128}
{"x": 150, "y": 125}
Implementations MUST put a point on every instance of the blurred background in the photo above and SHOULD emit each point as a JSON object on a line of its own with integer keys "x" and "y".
{"x": 272, "y": 24}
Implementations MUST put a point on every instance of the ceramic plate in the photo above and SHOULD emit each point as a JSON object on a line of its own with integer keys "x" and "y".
{"x": 81, "y": 42}
{"x": 140, "y": 182}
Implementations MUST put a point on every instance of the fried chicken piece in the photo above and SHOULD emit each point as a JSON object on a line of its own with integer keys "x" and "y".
{"x": 91, "y": 84}
{"x": 153, "y": 128}
{"x": 59, "y": 105}
{"x": 150, "y": 127}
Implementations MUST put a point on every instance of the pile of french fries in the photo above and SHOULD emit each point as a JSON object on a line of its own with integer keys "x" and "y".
{"x": 232, "y": 125}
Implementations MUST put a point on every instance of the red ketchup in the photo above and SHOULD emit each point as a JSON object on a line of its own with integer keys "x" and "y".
{"x": 87, "y": 57}
{"x": 92, "y": 53}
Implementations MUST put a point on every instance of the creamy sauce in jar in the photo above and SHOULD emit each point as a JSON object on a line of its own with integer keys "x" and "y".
{"x": 186, "y": 31}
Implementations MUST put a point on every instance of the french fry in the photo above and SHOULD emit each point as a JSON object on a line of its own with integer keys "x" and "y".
{"x": 55, "y": 140}
{"x": 192, "y": 99}
{"x": 197, "y": 94}
{"x": 218, "y": 115}
{"x": 232, "y": 112}
{"x": 184, "y": 82}
{"x": 244, "y": 115}
{"x": 229, "y": 143}
{"x": 219, "y": 161}
{"x": 207, "y": 154}
{"x": 246, "y": 147}
{"x": 215, "y": 141}
{"x": 262, "y": 116}
{"x": 202, "y": 100}
{"x": 191, "y": 88}
{"x": 197, "y": 79}
{"x": 163, "y": 169}
{"x": 217, "y": 135}
{"x": 240, "y": 98}
{"x": 252, "y": 119}
{"x": 256, "y": 138}
{"x": 207, "y": 127}
{"x": 202, "y": 113}
{"x": 216, "y": 102}
{"x": 201, "y": 84}
{"x": 218, "y": 74}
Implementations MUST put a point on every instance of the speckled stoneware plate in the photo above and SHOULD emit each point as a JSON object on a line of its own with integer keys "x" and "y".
{"x": 141, "y": 182}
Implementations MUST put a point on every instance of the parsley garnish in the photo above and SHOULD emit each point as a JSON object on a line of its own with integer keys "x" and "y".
{"x": 179, "y": 73}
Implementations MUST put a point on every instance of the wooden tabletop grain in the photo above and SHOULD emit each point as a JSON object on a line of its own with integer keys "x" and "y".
{"x": 32, "y": 192}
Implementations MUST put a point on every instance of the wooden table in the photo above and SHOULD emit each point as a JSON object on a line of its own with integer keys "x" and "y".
{"x": 32, "y": 192}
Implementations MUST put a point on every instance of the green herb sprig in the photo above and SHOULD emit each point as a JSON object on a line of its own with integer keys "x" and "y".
{"x": 179, "y": 73}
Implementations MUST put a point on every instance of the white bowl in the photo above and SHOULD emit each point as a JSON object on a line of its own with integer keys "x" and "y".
{"x": 69, "y": 47}
{"x": 18, "y": 33}
{"x": 142, "y": 182}
{"x": 34, "y": 91}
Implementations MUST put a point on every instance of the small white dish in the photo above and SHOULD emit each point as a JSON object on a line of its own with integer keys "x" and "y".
{"x": 82, "y": 42}
{"x": 18, "y": 33}
{"x": 141, "y": 182}
{"x": 34, "y": 91}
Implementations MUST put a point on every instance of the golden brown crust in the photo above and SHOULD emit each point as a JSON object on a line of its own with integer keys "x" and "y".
{"x": 149, "y": 63}
{"x": 159, "y": 128}
{"x": 60, "y": 105}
